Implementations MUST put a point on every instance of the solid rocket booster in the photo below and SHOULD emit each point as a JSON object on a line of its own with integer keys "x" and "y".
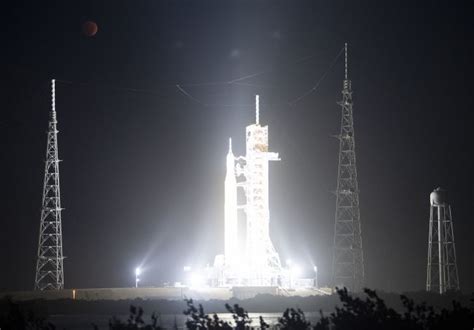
{"x": 230, "y": 224}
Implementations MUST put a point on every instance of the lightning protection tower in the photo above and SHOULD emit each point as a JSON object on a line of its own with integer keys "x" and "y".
{"x": 49, "y": 263}
{"x": 348, "y": 258}
{"x": 442, "y": 270}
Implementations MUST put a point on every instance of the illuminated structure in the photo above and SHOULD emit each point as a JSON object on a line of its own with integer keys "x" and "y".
{"x": 348, "y": 257}
{"x": 258, "y": 263}
{"x": 231, "y": 226}
{"x": 49, "y": 263}
{"x": 442, "y": 270}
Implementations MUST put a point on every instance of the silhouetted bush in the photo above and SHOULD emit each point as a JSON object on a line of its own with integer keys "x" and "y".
{"x": 355, "y": 313}
{"x": 198, "y": 320}
{"x": 14, "y": 318}
{"x": 293, "y": 319}
{"x": 135, "y": 321}
{"x": 372, "y": 313}
{"x": 240, "y": 316}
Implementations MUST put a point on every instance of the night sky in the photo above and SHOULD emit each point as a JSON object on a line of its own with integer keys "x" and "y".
{"x": 142, "y": 176}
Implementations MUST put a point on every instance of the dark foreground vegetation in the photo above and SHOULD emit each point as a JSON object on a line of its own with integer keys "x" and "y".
{"x": 352, "y": 312}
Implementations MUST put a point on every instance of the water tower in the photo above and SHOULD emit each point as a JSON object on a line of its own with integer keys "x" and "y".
{"x": 442, "y": 270}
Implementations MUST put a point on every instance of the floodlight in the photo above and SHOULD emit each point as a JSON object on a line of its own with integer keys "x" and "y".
{"x": 295, "y": 271}
{"x": 138, "y": 271}
{"x": 196, "y": 280}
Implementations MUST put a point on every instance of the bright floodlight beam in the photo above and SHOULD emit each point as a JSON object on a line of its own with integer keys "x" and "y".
{"x": 295, "y": 271}
{"x": 196, "y": 280}
{"x": 138, "y": 271}
{"x": 315, "y": 268}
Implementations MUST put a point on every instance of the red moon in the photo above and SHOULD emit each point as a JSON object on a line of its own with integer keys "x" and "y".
{"x": 89, "y": 28}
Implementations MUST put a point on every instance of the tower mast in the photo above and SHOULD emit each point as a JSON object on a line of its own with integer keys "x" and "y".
{"x": 257, "y": 109}
{"x": 49, "y": 263}
{"x": 348, "y": 257}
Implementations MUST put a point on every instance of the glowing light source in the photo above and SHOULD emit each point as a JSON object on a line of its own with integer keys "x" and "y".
{"x": 316, "y": 285}
{"x": 186, "y": 268}
{"x": 295, "y": 271}
{"x": 138, "y": 271}
{"x": 196, "y": 280}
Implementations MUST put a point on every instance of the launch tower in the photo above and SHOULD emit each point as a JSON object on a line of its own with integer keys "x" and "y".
{"x": 257, "y": 263}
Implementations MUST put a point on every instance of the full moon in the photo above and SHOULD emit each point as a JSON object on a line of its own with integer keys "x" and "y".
{"x": 89, "y": 28}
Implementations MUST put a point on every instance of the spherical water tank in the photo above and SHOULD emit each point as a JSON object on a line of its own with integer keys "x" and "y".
{"x": 438, "y": 197}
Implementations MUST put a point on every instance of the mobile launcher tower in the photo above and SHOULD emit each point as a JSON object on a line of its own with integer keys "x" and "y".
{"x": 257, "y": 263}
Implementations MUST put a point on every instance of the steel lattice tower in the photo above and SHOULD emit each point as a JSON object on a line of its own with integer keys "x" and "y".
{"x": 49, "y": 264}
{"x": 348, "y": 258}
{"x": 442, "y": 270}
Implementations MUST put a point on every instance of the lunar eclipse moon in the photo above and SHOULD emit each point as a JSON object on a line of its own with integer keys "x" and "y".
{"x": 89, "y": 28}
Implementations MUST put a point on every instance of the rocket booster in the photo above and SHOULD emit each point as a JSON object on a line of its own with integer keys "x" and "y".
{"x": 230, "y": 225}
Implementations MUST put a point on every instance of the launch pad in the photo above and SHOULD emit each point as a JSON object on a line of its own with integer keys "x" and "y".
{"x": 162, "y": 293}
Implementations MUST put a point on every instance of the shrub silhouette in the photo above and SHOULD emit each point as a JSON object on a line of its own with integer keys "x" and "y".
{"x": 293, "y": 319}
{"x": 240, "y": 316}
{"x": 135, "y": 321}
{"x": 355, "y": 313}
{"x": 198, "y": 320}
{"x": 372, "y": 313}
{"x": 15, "y": 318}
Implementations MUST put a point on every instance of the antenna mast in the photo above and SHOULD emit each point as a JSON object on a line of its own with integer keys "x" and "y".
{"x": 49, "y": 263}
{"x": 345, "y": 61}
{"x": 257, "y": 110}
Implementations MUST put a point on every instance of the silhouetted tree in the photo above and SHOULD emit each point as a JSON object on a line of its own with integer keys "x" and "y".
{"x": 372, "y": 313}
{"x": 240, "y": 316}
{"x": 135, "y": 321}
{"x": 293, "y": 319}
{"x": 198, "y": 320}
{"x": 15, "y": 318}
{"x": 263, "y": 324}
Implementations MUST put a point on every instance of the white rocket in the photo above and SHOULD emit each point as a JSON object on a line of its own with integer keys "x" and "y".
{"x": 230, "y": 225}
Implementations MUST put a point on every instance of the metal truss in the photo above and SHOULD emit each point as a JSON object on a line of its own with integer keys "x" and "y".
{"x": 348, "y": 257}
{"x": 49, "y": 264}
